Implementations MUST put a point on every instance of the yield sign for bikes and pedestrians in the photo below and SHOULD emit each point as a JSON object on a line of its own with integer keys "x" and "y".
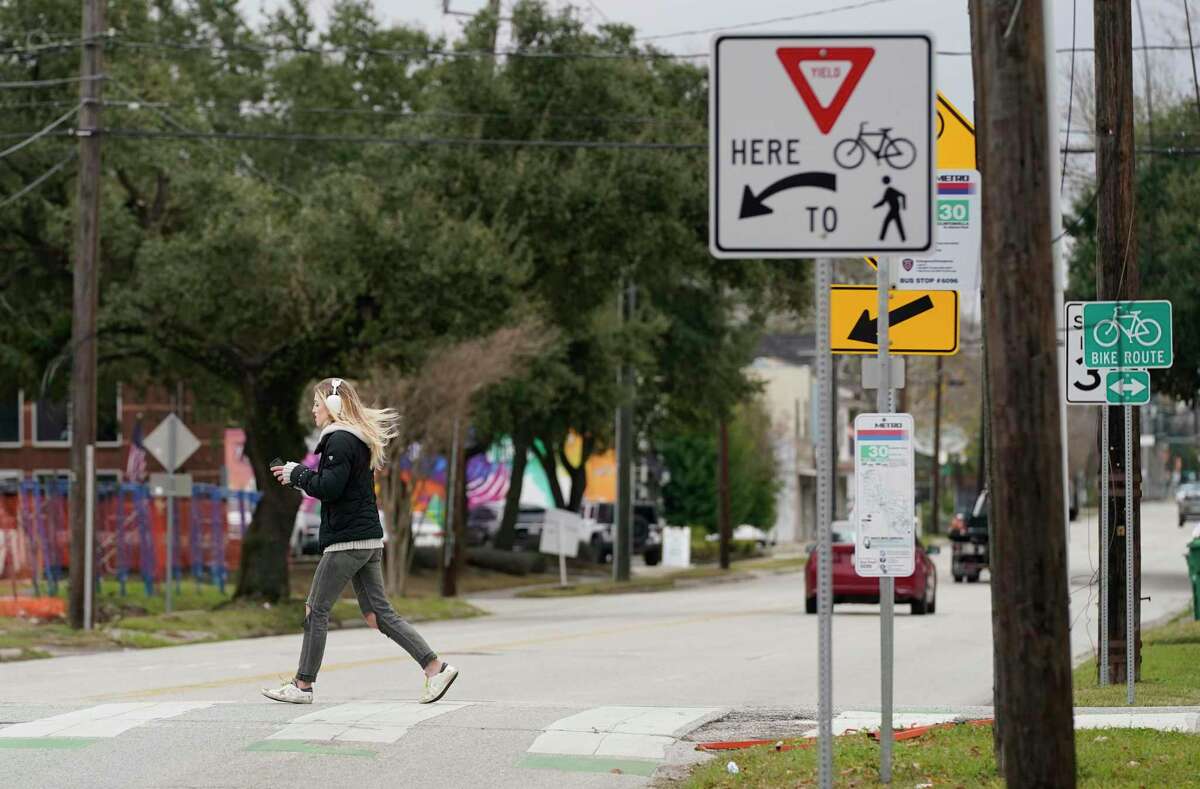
{"x": 821, "y": 145}
{"x": 1127, "y": 334}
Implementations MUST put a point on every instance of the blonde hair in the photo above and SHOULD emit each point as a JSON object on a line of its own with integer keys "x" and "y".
{"x": 377, "y": 425}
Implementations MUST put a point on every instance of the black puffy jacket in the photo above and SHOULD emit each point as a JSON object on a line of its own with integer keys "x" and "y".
{"x": 345, "y": 484}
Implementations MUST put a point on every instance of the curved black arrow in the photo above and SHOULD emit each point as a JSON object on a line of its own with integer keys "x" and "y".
{"x": 752, "y": 205}
{"x": 867, "y": 329}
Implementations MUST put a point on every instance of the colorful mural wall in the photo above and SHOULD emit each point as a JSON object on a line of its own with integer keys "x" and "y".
{"x": 488, "y": 477}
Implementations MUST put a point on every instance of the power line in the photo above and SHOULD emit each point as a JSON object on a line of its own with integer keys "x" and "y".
{"x": 764, "y": 22}
{"x": 45, "y": 83}
{"x": 166, "y": 117}
{"x": 1195, "y": 82}
{"x": 35, "y": 183}
{"x": 380, "y": 140}
{"x": 30, "y": 49}
{"x": 262, "y": 49}
{"x": 214, "y": 49}
{"x": 40, "y": 134}
{"x": 415, "y": 114}
{"x": 1070, "y": 93}
{"x": 598, "y": 10}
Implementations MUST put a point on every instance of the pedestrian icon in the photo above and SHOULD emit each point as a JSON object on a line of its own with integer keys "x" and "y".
{"x": 896, "y": 201}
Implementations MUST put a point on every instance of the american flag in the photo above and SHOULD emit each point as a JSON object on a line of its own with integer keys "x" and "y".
{"x": 135, "y": 466}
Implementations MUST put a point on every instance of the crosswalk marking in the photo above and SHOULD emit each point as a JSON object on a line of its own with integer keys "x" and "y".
{"x": 383, "y": 722}
{"x": 618, "y": 732}
{"x": 105, "y": 720}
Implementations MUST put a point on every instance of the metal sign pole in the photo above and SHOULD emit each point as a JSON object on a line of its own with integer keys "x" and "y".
{"x": 1129, "y": 554}
{"x": 883, "y": 403}
{"x": 1104, "y": 579}
{"x": 89, "y": 538}
{"x": 171, "y": 446}
{"x": 824, "y": 536}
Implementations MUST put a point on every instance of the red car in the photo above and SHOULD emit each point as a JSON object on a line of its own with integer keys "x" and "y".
{"x": 918, "y": 589}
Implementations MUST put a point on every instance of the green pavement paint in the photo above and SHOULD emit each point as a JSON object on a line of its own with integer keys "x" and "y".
{"x": 587, "y": 764}
{"x": 47, "y": 743}
{"x": 298, "y": 746}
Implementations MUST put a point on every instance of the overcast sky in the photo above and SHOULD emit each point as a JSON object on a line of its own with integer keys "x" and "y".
{"x": 946, "y": 19}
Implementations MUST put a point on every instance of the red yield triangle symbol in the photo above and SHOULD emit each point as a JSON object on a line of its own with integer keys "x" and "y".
{"x": 799, "y": 62}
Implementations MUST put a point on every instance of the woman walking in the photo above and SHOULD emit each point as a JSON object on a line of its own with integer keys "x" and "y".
{"x": 352, "y": 444}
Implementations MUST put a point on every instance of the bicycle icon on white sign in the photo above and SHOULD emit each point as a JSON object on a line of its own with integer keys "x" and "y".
{"x": 898, "y": 152}
{"x": 1144, "y": 331}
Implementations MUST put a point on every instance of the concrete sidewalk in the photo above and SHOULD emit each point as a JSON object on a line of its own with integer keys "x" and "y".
{"x": 1179, "y": 719}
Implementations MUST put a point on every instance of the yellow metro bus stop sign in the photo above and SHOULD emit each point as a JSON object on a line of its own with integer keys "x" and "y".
{"x": 955, "y": 141}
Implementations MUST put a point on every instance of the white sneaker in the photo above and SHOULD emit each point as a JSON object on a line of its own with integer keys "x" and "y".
{"x": 437, "y": 685}
{"x": 290, "y": 694}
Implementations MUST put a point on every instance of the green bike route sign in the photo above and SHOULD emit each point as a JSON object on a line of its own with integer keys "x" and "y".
{"x": 1127, "y": 334}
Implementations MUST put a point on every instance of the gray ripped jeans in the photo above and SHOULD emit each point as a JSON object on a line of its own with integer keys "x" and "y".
{"x": 363, "y": 569}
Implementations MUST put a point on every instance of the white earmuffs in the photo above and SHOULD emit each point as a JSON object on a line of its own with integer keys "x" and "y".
{"x": 334, "y": 401}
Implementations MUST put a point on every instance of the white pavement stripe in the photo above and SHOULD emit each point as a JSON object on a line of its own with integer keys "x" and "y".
{"x": 1188, "y": 722}
{"x": 383, "y": 722}
{"x": 853, "y": 720}
{"x": 105, "y": 720}
{"x": 619, "y": 732}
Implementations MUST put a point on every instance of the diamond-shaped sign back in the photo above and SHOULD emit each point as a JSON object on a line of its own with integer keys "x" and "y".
{"x": 158, "y": 443}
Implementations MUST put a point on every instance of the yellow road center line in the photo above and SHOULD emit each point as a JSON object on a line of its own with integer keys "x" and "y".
{"x": 353, "y": 664}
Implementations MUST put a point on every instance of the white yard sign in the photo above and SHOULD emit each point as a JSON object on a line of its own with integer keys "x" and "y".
{"x": 1084, "y": 386}
{"x": 560, "y": 533}
{"x": 954, "y": 264}
{"x": 884, "y": 495}
{"x": 821, "y": 144}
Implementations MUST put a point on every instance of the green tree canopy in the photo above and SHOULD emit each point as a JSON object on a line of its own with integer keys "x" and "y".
{"x": 1167, "y": 195}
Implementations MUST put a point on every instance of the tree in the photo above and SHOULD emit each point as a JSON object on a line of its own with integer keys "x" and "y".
{"x": 254, "y": 275}
{"x": 593, "y": 219}
{"x": 1167, "y": 191}
{"x": 690, "y": 457}
{"x": 440, "y": 395}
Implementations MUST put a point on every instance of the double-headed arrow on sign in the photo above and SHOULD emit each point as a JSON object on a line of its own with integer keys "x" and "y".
{"x": 1127, "y": 387}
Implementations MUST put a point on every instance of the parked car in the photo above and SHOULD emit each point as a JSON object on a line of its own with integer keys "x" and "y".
{"x": 529, "y": 527}
{"x": 969, "y": 542}
{"x": 747, "y": 533}
{"x": 483, "y": 521}
{"x": 647, "y": 530}
{"x": 919, "y": 590}
{"x": 306, "y": 532}
{"x": 1187, "y": 499}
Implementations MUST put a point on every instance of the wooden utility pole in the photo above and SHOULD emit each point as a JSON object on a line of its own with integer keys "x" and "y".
{"x": 85, "y": 298}
{"x": 450, "y": 547}
{"x": 1028, "y": 548}
{"x": 1117, "y": 279}
{"x": 623, "y": 520}
{"x": 724, "y": 527}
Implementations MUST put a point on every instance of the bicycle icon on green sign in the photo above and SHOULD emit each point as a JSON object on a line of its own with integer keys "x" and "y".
{"x": 1143, "y": 331}
{"x": 898, "y": 152}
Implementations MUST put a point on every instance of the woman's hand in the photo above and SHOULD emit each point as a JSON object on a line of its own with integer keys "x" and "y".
{"x": 284, "y": 473}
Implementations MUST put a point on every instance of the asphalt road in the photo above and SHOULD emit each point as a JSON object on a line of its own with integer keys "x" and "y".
{"x": 553, "y": 692}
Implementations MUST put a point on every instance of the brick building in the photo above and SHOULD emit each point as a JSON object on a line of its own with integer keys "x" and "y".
{"x": 35, "y": 437}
